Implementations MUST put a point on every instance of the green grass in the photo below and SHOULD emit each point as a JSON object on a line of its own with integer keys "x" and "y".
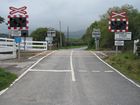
{"x": 71, "y": 47}
{"x": 126, "y": 63}
{"x": 6, "y": 78}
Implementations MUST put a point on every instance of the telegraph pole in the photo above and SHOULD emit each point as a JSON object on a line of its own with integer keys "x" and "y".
{"x": 60, "y": 34}
{"x": 67, "y": 35}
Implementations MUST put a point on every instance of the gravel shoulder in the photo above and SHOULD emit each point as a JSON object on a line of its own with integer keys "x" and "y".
{"x": 16, "y": 67}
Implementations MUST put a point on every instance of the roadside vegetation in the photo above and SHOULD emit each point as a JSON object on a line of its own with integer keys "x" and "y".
{"x": 6, "y": 78}
{"x": 73, "y": 43}
{"x": 127, "y": 63}
{"x": 107, "y": 38}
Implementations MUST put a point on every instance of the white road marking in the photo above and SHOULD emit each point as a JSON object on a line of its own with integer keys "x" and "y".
{"x": 116, "y": 70}
{"x": 109, "y": 71}
{"x": 3, "y": 91}
{"x": 83, "y": 71}
{"x": 23, "y": 74}
{"x": 59, "y": 71}
{"x": 37, "y": 55}
{"x": 72, "y": 69}
{"x": 93, "y": 71}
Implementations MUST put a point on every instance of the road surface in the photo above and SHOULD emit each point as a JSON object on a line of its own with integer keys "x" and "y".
{"x": 71, "y": 77}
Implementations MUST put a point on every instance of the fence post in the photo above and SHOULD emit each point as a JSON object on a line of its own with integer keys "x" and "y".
{"x": 46, "y": 45}
{"x": 135, "y": 46}
{"x": 14, "y": 49}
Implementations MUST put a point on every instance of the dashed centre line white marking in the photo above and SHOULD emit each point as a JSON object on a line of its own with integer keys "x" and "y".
{"x": 95, "y": 71}
{"x": 72, "y": 69}
{"x": 83, "y": 71}
{"x": 57, "y": 71}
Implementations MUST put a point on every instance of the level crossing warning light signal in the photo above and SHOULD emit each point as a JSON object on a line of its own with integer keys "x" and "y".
{"x": 118, "y": 25}
{"x": 118, "y": 22}
{"x": 18, "y": 22}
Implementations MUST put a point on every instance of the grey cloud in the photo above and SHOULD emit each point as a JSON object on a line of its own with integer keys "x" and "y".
{"x": 78, "y": 14}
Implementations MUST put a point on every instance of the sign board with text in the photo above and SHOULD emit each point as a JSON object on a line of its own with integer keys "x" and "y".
{"x": 123, "y": 35}
{"x": 49, "y": 39}
{"x": 15, "y": 32}
{"x": 119, "y": 43}
{"x": 51, "y": 33}
{"x": 96, "y": 33}
{"x": 17, "y": 39}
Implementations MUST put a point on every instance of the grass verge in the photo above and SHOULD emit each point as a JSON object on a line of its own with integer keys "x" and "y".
{"x": 71, "y": 47}
{"x": 126, "y": 63}
{"x": 6, "y": 78}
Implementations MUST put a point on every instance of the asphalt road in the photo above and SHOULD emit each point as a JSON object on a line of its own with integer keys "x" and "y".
{"x": 71, "y": 77}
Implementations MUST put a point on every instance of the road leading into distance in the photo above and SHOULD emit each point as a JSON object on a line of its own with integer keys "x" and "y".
{"x": 71, "y": 77}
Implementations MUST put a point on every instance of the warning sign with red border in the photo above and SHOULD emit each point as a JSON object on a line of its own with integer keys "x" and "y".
{"x": 118, "y": 22}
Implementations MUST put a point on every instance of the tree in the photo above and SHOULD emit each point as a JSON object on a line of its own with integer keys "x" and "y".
{"x": 39, "y": 34}
{"x": 1, "y": 19}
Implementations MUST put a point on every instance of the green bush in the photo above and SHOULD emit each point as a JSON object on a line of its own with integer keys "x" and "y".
{"x": 6, "y": 78}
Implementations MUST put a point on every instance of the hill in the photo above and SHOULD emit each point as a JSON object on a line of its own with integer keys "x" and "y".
{"x": 75, "y": 34}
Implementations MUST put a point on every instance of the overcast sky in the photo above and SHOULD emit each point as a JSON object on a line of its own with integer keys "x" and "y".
{"x": 77, "y": 14}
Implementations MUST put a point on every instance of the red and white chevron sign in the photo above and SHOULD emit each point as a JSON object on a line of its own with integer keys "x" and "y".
{"x": 18, "y": 10}
{"x": 121, "y": 14}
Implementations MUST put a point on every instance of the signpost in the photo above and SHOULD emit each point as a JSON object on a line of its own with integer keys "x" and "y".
{"x": 17, "y": 22}
{"x": 96, "y": 34}
{"x": 118, "y": 23}
{"x": 49, "y": 41}
{"x": 50, "y": 34}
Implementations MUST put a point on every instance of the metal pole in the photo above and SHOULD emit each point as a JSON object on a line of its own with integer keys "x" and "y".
{"x": 24, "y": 42}
{"x": 60, "y": 34}
{"x": 96, "y": 46}
{"x": 67, "y": 35}
{"x": 116, "y": 50}
{"x": 19, "y": 52}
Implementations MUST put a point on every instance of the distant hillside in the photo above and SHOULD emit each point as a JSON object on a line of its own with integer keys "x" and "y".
{"x": 76, "y": 34}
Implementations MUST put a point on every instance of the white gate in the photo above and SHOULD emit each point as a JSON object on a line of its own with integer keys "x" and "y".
{"x": 7, "y": 48}
{"x": 34, "y": 45}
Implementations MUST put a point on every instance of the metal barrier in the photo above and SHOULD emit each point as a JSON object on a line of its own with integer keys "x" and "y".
{"x": 34, "y": 45}
{"x": 7, "y": 48}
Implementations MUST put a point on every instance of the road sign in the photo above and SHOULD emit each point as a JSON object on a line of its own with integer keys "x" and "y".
{"x": 118, "y": 22}
{"x": 18, "y": 22}
{"x": 17, "y": 18}
{"x": 17, "y": 39}
{"x": 115, "y": 14}
{"x": 119, "y": 43}
{"x": 18, "y": 10}
{"x": 118, "y": 25}
{"x": 51, "y": 33}
{"x": 24, "y": 33}
{"x": 96, "y": 33}
{"x": 15, "y": 32}
{"x": 123, "y": 35}
{"x": 49, "y": 39}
